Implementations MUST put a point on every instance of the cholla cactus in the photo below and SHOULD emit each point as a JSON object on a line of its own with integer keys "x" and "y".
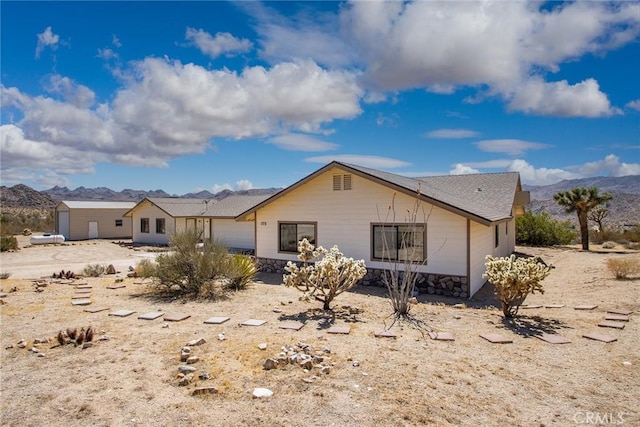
{"x": 328, "y": 277}
{"x": 514, "y": 279}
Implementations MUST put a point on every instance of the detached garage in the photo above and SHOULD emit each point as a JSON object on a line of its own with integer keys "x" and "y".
{"x": 79, "y": 220}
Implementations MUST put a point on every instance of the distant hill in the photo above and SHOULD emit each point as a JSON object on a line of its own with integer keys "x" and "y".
{"x": 22, "y": 196}
{"x": 624, "y": 184}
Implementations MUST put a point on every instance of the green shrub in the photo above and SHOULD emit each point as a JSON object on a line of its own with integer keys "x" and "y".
{"x": 5, "y": 275}
{"x": 8, "y": 243}
{"x": 94, "y": 270}
{"x": 145, "y": 268}
{"x": 622, "y": 268}
{"x": 541, "y": 230}
{"x": 240, "y": 271}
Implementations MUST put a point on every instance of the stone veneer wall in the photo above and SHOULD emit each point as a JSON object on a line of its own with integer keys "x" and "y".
{"x": 427, "y": 283}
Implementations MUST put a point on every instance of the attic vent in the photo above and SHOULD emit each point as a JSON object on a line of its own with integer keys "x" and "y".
{"x": 341, "y": 182}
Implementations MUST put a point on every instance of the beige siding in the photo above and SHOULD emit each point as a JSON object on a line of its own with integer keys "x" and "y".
{"x": 483, "y": 244}
{"x": 79, "y": 220}
{"x": 235, "y": 235}
{"x": 147, "y": 210}
{"x": 344, "y": 218}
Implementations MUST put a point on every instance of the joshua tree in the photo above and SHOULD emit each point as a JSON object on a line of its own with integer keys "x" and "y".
{"x": 597, "y": 215}
{"x": 581, "y": 200}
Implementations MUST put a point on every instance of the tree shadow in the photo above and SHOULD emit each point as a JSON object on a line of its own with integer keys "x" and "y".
{"x": 324, "y": 318}
{"x": 533, "y": 326}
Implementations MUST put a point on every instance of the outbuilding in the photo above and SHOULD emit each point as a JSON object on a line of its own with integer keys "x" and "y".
{"x": 83, "y": 220}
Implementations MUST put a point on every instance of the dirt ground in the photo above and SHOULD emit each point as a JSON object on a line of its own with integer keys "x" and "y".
{"x": 132, "y": 377}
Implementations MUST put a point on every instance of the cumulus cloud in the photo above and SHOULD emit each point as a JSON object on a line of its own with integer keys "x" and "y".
{"x": 451, "y": 133}
{"x": 299, "y": 142}
{"x": 375, "y": 162}
{"x": 542, "y": 176}
{"x": 561, "y": 99}
{"x": 46, "y": 39}
{"x": 512, "y": 147}
{"x": 243, "y": 184}
{"x": 221, "y": 43}
{"x": 76, "y": 94}
{"x": 609, "y": 166}
{"x": 634, "y": 105}
{"x": 460, "y": 169}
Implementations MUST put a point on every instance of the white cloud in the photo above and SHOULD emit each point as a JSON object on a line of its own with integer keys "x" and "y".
{"x": 609, "y": 166}
{"x": 634, "y": 105}
{"x": 452, "y": 133}
{"x": 388, "y": 120}
{"x": 46, "y": 39}
{"x": 542, "y": 176}
{"x": 242, "y": 184}
{"x": 560, "y": 99}
{"x": 221, "y": 43}
{"x": 76, "y": 94}
{"x": 460, "y": 169}
{"x": 298, "y": 142}
{"x": 361, "y": 160}
{"x": 512, "y": 147}
{"x": 116, "y": 41}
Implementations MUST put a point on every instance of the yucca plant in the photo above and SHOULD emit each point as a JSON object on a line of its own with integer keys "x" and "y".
{"x": 241, "y": 269}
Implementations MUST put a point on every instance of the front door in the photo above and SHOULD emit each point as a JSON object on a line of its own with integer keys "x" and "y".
{"x": 93, "y": 229}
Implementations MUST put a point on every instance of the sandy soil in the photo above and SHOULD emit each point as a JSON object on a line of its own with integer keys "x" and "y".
{"x": 132, "y": 378}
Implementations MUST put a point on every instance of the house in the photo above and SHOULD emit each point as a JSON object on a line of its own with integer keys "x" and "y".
{"x": 82, "y": 220}
{"x": 461, "y": 219}
{"x": 156, "y": 219}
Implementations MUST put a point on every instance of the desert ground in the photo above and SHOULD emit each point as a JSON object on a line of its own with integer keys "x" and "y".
{"x": 130, "y": 376}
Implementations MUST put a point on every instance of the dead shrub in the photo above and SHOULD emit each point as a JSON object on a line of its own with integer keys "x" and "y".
{"x": 94, "y": 270}
{"x": 622, "y": 268}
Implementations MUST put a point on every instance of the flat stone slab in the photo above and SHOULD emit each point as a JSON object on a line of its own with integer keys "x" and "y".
{"x": 611, "y": 324}
{"x": 83, "y": 301}
{"x": 96, "y": 309}
{"x": 116, "y": 286}
{"x": 585, "y": 307}
{"x": 121, "y": 313}
{"x": 3, "y": 295}
{"x": 617, "y": 317}
{"x": 83, "y": 290}
{"x": 620, "y": 311}
{"x": 216, "y": 320}
{"x": 253, "y": 322}
{"x": 80, "y": 296}
{"x": 296, "y": 326}
{"x": 553, "y": 339}
{"x": 442, "y": 336}
{"x": 385, "y": 334}
{"x": 151, "y": 315}
{"x": 176, "y": 317}
{"x": 553, "y": 305}
{"x": 84, "y": 287}
{"x": 600, "y": 337}
{"x": 494, "y": 338}
{"x": 530, "y": 306}
{"x": 344, "y": 330}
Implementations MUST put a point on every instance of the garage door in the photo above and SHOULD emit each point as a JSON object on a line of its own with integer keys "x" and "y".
{"x": 63, "y": 224}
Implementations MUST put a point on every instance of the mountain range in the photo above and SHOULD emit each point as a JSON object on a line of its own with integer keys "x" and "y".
{"x": 624, "y": 208}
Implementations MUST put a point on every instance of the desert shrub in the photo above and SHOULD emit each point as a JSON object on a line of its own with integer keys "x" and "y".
{"x": 240, "y": 271}
{"x": 514, "y": 278}
{"x": 15, "y": 220}
{"x": 145, "y": 268}
{"x": 622, "y": 268}
{"x": 94, "y": 270}
{"x": 5, "y": 275}
{"x": 8, "y": 243}
{"x": 327, "y": 278}
{"x": 542, "y": 230}
{"x": 609, "y": 245}
{"x": 632, "y": 235}
{"x": 191, "y": 266}
{"x": 632, "y": 245}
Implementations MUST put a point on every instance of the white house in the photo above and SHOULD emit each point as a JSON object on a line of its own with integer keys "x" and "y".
{"x": 82, "y": 220}
{"x": 156, "y": 219}
{"x": 461, "y": 219}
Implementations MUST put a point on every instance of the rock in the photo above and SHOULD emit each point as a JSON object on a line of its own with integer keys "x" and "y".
{"x": 132, "y": 268}
{"x": 186, "y": 380}
{"x": 221, "y": 337}
{"x": 306, "y": 363}
{"x": 40, "y": 355}
{"x": 355, "y": 364}
{"x": 325, "y": 369}
{"x": 111, "y": 269}
{"x": 413, "y": 300}
{"x": 34, "y": 350}
{"x": 203, "y": 391}
{"x": 41, "y": 340}
{"x": 186, "y": 369}
{"x": 277, "y": 310}
{"x": 262, "y": 346}
{"x": 262, "y": 392}
{"x": 8, "y": 347}
{"x": 308, "y": 380}
{"x": 192, "y": 359}
{"x": 270, "y": 364}
{"x": 204, "y": 376}
{"x": 87, "y": 345}
{"x": 199, "y": 341}
{"x": 626, "y": 363}
{"x": 119, "y": 280}
{"x": 104, "y": 338}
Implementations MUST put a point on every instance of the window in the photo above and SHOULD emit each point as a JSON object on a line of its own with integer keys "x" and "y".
{"x": 118, "y": 223}
{"x": 399, "y": 242}
{"x": 341, "y": 182}
{"x": 291, "y": 233}
{"x": 497, "y": 235}
{"x": 159, "y": 225}
{"x": 144, "y": 225}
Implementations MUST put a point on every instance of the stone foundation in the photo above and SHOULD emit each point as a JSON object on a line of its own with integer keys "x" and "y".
{"x": 426, "y": 283}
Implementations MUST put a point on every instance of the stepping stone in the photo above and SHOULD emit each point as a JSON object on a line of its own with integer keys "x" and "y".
{"x": 3, "y": 295}
{"x": 116, "y": 286}
{"x": 442, "y": 336}
{"x": 216, "y": 320}
{"x": 121, "y": 313}
{"x": 553, "y": 305}
{"x": 495, "y": 338}
{"x": 620, "y": 311}
{"x": 530, "y": 306}
{"x": 611, "y": 324}
{"x": 585, "y": 307}
{"x": 385, "y": 334}
{"x": 600, "y": 337}
{"x": 253, "y": 322}
{"x": 618, "y": 317}
{"x": 344, "y": 330}
{"x": 96, "y": 309}
{"x": 83, "y": 291}
{"x": 296, "y": 326}
{"x": 84, "y": 287}
{"x": 553, "y": 339}
{"x": 176, "y": 317}
{"x": 151, "y": 315}
{"x": 83, "y": 301}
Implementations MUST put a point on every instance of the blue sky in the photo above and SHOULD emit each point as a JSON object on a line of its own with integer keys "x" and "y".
{"x": 187, "y": 96}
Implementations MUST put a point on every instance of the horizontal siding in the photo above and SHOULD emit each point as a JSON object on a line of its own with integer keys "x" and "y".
{"x": 236, "y": 235}
{"x": 482, "y": 245}
{"x": 147, "y": 210}
{"x": 344, "y": 218}
{"x": 79, "y": 220}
